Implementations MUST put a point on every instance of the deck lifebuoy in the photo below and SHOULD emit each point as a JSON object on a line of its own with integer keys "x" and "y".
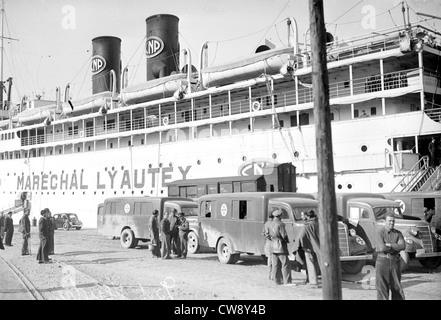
{"x": 165, "y": 121}
{"x": 256, "y": 106}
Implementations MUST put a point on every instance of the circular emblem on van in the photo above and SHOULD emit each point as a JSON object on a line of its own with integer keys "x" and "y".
{"x": 127, "y": 208}
{"x": 98, "y": 64}
{"x": 224, "y": 210}
{"x": 153, "y": 46}
{"x": 401, "y": 205}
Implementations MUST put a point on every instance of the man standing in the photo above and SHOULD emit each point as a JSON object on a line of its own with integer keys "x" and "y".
{"x": 432, "y": 150}
{"x": 390, "y": 242}
{"x": 154, "y": 234}
{"x": 279, "y": 241}
{"x": 309, "y": 241}
{"x": 174, "y": 233}
{"x": 165, "y": 237}
{"x": 268, "y": 250}
{"x": 25, "y": 229}
{"x": 2, "y": 227}
{"x": 51, "y": 228}
{"x": 43, "y": 234}
{"x": 9, "y": 228}
{"x": 183, "y": 235}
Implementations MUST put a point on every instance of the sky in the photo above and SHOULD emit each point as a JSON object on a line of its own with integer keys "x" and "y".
{"x": 51, "y": 40}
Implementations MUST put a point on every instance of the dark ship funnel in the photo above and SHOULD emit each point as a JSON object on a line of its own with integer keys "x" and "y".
{"x": 106, "y": 56}
{"x": 162, "y": 46}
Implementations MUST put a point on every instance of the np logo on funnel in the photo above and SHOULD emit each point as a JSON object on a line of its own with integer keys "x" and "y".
{"x": 257, "y": 166}
{"x": 153, "y": 46}
{"x": 98, "y": 64}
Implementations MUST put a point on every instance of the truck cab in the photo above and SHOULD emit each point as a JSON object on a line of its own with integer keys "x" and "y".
{"x": 232, "y": 223}
{"x": 365, "y": 213}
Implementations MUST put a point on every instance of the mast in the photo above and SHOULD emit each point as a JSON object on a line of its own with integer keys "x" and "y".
{"x": 1, "y": 58}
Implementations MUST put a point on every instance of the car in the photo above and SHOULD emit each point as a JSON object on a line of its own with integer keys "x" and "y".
{"x": 67, "y": 221}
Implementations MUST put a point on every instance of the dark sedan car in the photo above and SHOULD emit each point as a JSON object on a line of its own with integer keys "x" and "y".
{"x": 67, "y": 221}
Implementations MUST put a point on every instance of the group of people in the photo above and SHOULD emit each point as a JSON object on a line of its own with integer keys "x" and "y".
{"x": 46, "y": 227}
{"x": 306, "y": 246}
{"x": 6, "y": 229}
{"x": 169, "y": 236}
{"x": 390, "y": 242}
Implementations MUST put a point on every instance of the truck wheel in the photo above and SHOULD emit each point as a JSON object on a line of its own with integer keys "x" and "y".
{"x": 353, "y": 267}
{"x": 128, "y": 239}
{"x": 224, "y": 252}
{"x": 193, "y": 242}
{"x": 430, "y": 263}
{"x": 404, "y": 260}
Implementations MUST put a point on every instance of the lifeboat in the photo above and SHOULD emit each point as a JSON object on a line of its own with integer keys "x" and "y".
{"x": 154, "y": 89}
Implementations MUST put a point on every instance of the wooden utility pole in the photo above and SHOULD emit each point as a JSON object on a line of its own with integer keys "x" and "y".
{"x": 330, "y": 264}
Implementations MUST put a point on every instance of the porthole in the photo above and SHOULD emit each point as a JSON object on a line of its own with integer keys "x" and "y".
{"x": 160, "y": 165}
{"x": 219, "y": 160}
{"x": 380, "y": 185}
{"x": 349, "y": 186}
{"x": 122, "y": 168}
{"x": 244, "y": 158}
{"x": 150, "y": 166}
{"x": 364, "y": 148}
{"x": 340, "y": 186}
{"x": 170, "y": 164}
{"x": 296, "y": 154}
{"x": 274, "y": 156}
{"x": 198, "y": 162}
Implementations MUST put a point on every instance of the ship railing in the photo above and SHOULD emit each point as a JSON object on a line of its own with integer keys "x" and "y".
{"x": 392, "y": 80}
{"x": 433, "y": 110}
{"x": 413, "y": 175}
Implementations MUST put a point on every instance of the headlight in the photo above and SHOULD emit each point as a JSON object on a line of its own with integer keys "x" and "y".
{"x": 352, "y": 232}
{"x": 413, "y": 231}
{"x": 433, "y": 230}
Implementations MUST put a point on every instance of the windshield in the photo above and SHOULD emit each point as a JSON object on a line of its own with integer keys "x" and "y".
{"x": 298, "y": 211}
{"x": 190, "y": 211}
{"x": 381, "y": 212}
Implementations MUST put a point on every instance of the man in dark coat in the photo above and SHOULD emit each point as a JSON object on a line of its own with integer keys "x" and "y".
{"x": 183, "y": 235}
{"x": 390, "y": 242}
{"x": 432, "y": 152}
{"x": 2, "y": 227}
{"x": 9, "y": 229}
{"x": 51, "y": 228}
{"x": 174, "y": 233}
{"x": 308, "y": 240}
{"x": 25, "y": 229}
{"x": 154, "y": 234}
{"x": 43, "y": 234}
{"x": 165, "y": 237}
{"x": 279, "y": 241}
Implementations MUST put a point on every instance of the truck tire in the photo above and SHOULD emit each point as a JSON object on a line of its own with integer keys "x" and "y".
{"x": 404, "y": 260}
{"x": 430, "y": 263}
{"x": 193, "y": 242}
{"x": 224, "y": 252}
{"x": 353, "y": 267}
{"x": 128, "y": 239}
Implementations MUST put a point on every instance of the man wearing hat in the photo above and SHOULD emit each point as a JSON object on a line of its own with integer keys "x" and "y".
{"x": 183, "y": 234}
{"x": 154, "y": 234}
{"x": 25, "y": 229}
{"x": 9, "y": 229}
{"x": 165, "y": 237}
{"x": 43, "y": 234}
{"x": 279, "y": 246}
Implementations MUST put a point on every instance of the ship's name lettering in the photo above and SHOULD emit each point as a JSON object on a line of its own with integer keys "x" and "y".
{"x": 110, "y": 179}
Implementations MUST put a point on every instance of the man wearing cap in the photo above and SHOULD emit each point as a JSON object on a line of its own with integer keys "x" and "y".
{"x": 390, "y": 242}
{"x": 174, "y": 233}
{"x": 154, "y": 234}
{"x": 279, "y": 241}
{"x": 9, "y": 229}
{"x": 183, "y": 234}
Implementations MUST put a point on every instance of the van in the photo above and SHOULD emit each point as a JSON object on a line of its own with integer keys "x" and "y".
{"x": 128, "y": 217}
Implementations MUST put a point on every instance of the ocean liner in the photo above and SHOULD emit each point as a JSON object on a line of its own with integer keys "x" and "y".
{"x": 246, "y": 117}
